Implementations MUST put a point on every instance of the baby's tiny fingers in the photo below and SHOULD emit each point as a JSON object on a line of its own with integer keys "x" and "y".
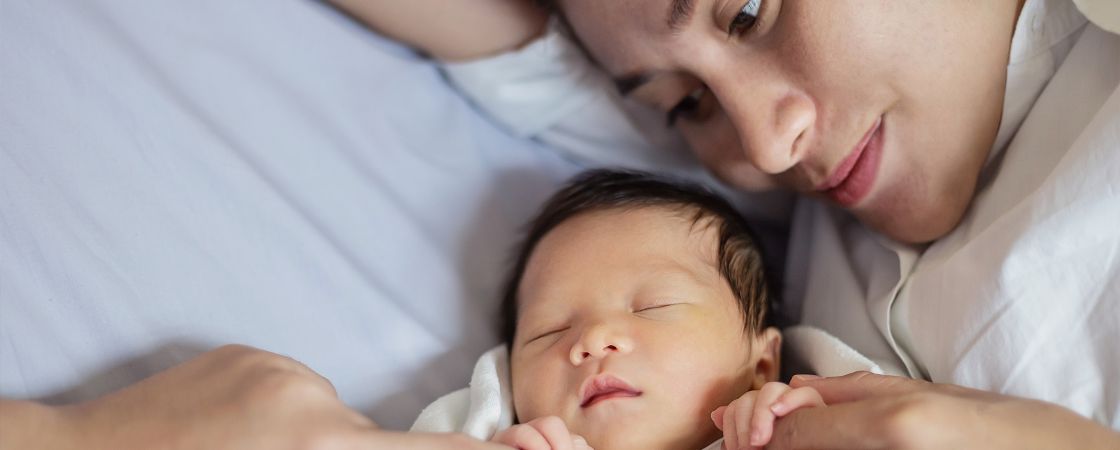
{"x": 741, "y": 410}
{"x": 762, "y": 419}
{"x": 729, "y": 437}
{"x": 523, "y": 437}
{"x": 555, "y": 432}
{"x": 802, "y": 397}
{"x": 717, "y": 417}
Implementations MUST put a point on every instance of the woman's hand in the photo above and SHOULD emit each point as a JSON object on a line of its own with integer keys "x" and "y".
{"x": 748, "y": 422}
{"x": 545, "y": 433}
{"x": 876, "y": 411}
{"x": 234, "y": 397}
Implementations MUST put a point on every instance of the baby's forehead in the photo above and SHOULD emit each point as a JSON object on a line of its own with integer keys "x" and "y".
{"x": 695, "y": 231}
{"x": 684, "y": 249}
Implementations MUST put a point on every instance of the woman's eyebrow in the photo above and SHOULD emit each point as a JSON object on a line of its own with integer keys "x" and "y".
{"x": 680, "y": 13}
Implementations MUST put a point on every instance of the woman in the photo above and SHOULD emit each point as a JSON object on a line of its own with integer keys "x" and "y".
{"x": 973, "y": 143}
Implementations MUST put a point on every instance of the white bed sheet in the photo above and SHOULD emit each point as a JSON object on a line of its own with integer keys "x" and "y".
{"x": 179, "y": 175}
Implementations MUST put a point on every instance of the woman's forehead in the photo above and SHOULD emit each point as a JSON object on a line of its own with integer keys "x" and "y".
{"x": 622, "y": 35}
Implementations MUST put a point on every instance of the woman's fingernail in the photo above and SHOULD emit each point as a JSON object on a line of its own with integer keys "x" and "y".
{"x": 756, "y": 438}
{"x": 779, "y": 409}
{"x": 806, "y": 377}
{"x": 579, "y": 441}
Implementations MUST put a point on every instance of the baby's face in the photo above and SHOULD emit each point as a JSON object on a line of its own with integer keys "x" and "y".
{"x": 630, "y": 335}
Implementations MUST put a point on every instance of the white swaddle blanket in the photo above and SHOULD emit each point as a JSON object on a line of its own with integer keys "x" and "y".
{"x": 486, "y": 406}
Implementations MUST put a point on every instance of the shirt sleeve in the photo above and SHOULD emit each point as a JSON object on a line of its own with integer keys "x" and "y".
{"x": 548, "y": 90}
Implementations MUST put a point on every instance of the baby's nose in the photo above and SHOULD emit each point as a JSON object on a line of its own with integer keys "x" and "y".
{"x": 599, "y": 342}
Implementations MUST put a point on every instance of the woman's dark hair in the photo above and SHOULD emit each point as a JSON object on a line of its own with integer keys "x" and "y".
{"x": 740, "y": 258}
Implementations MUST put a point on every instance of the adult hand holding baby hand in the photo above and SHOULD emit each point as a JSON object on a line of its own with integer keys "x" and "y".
{"x": 878, "y": 411}
{"x": 748, "y": 422}
{"x": 545, "y": 433}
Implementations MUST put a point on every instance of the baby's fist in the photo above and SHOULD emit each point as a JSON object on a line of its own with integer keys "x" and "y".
{"x": 748, "y": 421}
{"x": 545, "y": 433}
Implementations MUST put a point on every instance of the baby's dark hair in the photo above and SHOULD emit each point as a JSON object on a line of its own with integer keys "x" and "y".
{"x": 740, "y": 259}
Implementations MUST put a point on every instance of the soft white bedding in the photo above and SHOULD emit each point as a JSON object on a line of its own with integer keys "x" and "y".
{"x": 179, "y": 175}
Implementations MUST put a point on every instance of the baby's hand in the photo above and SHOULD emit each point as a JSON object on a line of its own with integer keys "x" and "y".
{"x": 545, "y": 433}
{"x": 749, "y": 421}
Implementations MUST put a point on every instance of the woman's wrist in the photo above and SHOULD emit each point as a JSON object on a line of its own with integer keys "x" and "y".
{"x": 34, "y": 425}
{"x": 1058, "y": 427}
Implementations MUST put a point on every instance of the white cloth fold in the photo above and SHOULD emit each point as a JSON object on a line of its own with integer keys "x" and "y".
{"x": 486, "y": 406}
{"x": 479, "y": 410}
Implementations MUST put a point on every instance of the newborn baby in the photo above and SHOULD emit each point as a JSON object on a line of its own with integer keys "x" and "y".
{"x": 636, "y": 318}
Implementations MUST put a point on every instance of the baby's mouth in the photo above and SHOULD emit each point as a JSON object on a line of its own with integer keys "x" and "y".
{"x": 605, "y": 387}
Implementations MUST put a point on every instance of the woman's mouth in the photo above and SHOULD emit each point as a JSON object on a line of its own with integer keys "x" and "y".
{"x": 605, "y": 387}
{"x": 854, "y": 177}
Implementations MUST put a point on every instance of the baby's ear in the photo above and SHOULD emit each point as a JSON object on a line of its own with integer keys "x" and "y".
{"x": 769, "y": 345}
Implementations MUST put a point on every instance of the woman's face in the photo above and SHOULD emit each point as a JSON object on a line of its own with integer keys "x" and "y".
{"x": 887, "y": 108}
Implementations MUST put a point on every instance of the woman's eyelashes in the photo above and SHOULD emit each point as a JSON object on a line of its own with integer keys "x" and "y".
{"x": 745, "y": 19}
{"x": 686, "y": 108}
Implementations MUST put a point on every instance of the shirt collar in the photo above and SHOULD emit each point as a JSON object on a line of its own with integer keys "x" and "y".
{"x": 1042, "y": 39}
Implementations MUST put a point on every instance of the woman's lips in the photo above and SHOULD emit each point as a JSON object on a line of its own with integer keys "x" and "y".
{"x": 855, "y": 176}
{"x": 605, "y": 387}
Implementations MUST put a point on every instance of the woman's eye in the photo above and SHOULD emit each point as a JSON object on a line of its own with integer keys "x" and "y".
{"x": 684, "y": 108}
{"x": 745, "y": 19}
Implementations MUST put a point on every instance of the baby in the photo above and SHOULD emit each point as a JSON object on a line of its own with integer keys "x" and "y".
{"x": 636, "y": 318}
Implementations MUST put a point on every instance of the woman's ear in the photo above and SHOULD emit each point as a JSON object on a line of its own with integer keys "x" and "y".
{"x": 769, "y": 345}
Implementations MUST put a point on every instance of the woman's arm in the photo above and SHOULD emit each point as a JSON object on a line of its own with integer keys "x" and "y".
{"x": 454, "y": 30}
{"x": 234, "y": 397}
{"x": 876, "y": 411}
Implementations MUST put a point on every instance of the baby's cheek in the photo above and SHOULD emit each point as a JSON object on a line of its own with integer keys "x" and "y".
{"x": 532, "y": 396}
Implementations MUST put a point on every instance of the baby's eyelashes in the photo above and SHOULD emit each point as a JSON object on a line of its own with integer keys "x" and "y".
{"x": 541, "y": 335}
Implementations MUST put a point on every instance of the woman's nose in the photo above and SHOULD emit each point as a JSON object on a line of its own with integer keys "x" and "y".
{"x": 598, "y": 342}
{"x": 772, "y": 118}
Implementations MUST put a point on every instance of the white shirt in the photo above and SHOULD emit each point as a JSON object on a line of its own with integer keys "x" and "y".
{"x": 1022, "y": 298}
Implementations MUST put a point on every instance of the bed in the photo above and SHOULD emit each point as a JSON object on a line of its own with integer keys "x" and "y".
{"x": 179, "y": 175}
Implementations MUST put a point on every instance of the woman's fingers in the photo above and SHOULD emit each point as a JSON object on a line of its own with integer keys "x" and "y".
{"x": 857, "y": 386}
{"x": 848, "y": 425}
{"x": 802, "y": 397}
